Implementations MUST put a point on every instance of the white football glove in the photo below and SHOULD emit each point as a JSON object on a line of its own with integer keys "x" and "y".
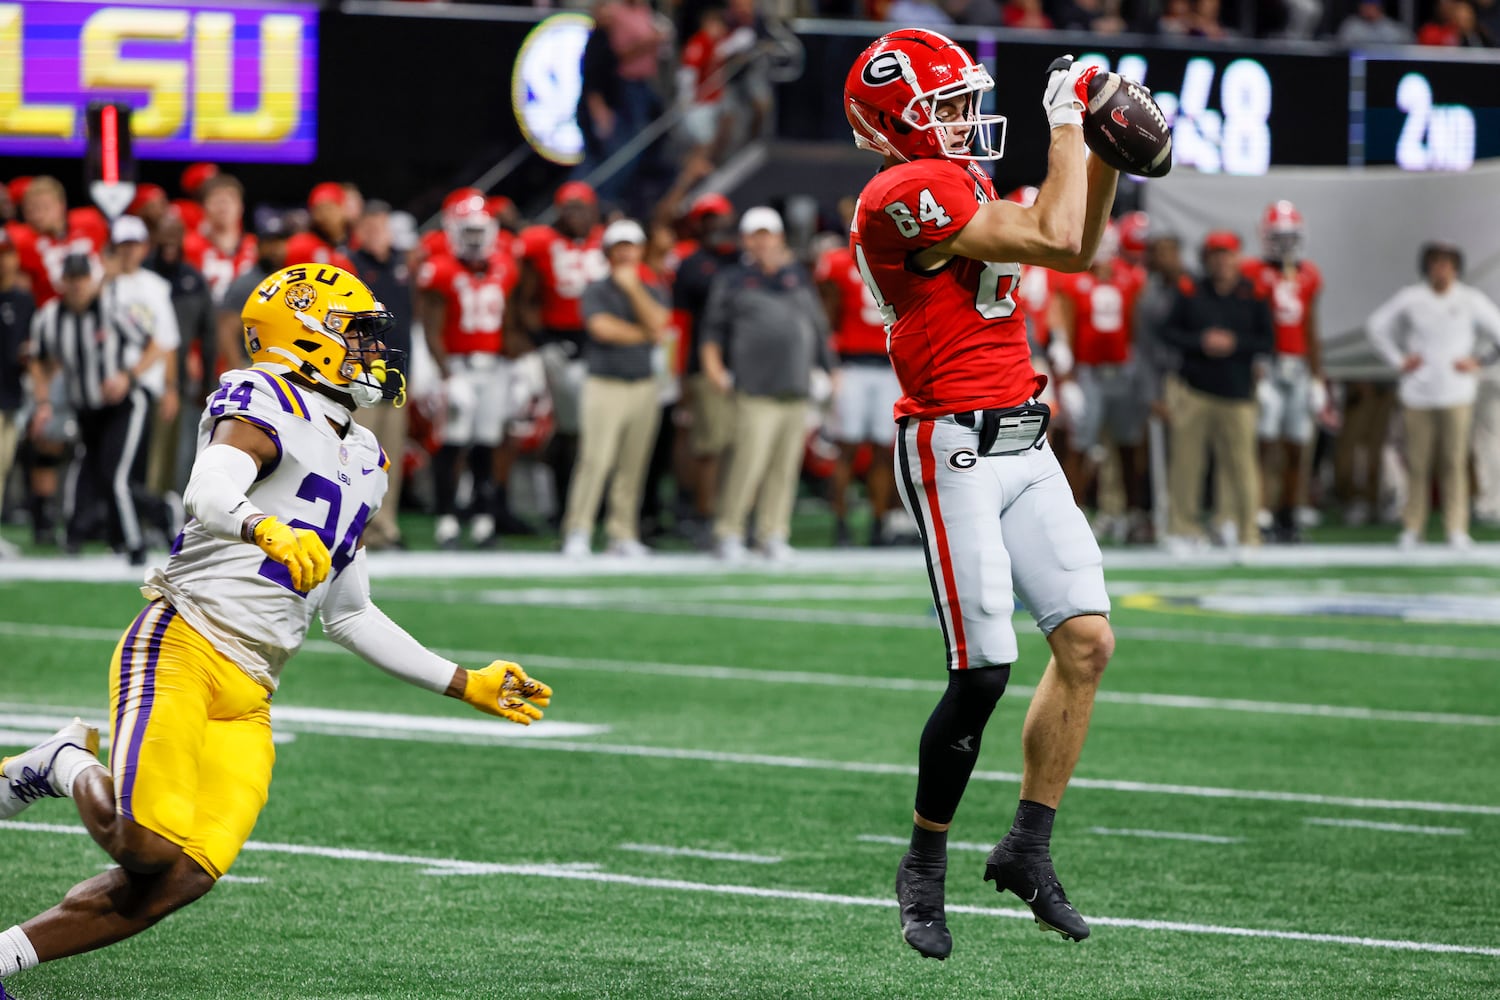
{"x": 1071, "y": 395}
{"x": 1317, "y": 397}
{"x": 1060, "y": 100}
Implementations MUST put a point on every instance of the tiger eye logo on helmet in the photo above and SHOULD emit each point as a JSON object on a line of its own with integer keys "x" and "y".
{"x": 301, "y": 297}
{"x": 884, "y": 68}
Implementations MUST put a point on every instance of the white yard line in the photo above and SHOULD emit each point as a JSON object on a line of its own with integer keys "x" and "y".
{"x": 693, "y": 852}
{"x": 871, "y": 619}
{"x": 1364, "y": 824}
{"x": 547, "y": 661}
{"x": 439, "y": 729}
{"x": 1201, "y": 838}
{"x": 587, "y": 873}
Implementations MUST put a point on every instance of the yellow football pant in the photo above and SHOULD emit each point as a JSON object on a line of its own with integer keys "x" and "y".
{"x": 190, "y": 739}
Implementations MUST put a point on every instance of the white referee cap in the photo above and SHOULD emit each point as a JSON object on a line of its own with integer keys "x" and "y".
{"x": 624, "y": 231}
{"x": 761, "y": 218}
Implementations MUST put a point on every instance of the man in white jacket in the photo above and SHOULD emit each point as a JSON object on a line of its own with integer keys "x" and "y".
{"x": 1437, "y": 334}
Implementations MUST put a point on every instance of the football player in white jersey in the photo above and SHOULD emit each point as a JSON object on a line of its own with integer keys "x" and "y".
{"x": 283, "y": 485}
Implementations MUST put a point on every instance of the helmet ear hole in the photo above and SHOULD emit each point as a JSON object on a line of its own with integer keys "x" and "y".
{"x": 306, "y": 346}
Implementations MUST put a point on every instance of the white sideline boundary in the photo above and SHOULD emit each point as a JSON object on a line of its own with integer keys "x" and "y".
{"x": 1364, "y": 824}
{"x": 437, "y": 729}
{"x": 589, "y": 873}
{"x": 545, "y": 661}
{"x": 102, "y": 568}
{"x": 666, "y": 851}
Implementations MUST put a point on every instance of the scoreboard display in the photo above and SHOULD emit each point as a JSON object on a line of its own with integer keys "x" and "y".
{"x": 1429, "y": 115}
{"x": 225, "y": 81}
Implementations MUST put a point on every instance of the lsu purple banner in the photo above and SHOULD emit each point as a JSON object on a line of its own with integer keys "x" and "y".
{"x": 225, "y": 81}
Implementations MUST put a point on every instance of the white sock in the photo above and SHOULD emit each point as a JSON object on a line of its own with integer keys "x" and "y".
{"x": 69, "y": 763}
{"x": 16, "y": 952}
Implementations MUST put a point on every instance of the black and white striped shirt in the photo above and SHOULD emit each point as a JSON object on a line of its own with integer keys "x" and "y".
{"x": 90, "y": 346}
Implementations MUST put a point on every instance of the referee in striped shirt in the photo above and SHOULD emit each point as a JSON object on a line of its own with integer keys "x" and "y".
{"x": 103, "y": 354}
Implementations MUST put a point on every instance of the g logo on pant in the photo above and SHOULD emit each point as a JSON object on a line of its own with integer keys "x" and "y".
{"x": 962, "y": 460}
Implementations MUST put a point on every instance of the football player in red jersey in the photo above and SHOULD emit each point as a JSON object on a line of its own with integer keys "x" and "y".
{"x": 1292, "y": 393}
{"x": 867, "y": 390}
{"x": 325, "y": 242}
{"x": 942, "y": 254}
{"x": 557, "y": 264}
{"x": 463, "y": 297}
{"x": 1094, "y": 312}
{"x": 50, "y": 232}
{"x": 1033, "y": 296}
{"x": 220, "y": 248}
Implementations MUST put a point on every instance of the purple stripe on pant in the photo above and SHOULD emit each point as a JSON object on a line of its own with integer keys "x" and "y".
{"x": 143, "y": 714}
{"x": 127, "y": 658}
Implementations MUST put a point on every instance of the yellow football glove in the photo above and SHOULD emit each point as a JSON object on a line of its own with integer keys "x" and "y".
{"x": 300, "y": 550}
{"x": 396, "y": 389}
{"x": 503, "y": 689}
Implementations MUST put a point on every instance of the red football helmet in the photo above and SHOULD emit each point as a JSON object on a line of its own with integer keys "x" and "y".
{"x": 1133, "y": 229}
{"x": 1282, "y": 232}
{"x": 469, "y": 226}
{"x": 893, "y": 90}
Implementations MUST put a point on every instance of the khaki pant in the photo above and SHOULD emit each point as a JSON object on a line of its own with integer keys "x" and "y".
{"x": 713, "y": 417}
{"x": 161, "y": 459}
{"x": 389, "y": 427}
{"x": 1199, "y": 422}
{"x": 1357, "y": 454}
{"x": 1487, "y": 451}
{"x": 617, "y": 428}
{"x": 1437, "y": 437}
{"x": 10, "y": 438}
{"x": 769, "y": 435}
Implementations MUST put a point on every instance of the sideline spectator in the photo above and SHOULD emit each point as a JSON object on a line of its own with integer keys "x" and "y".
{"x": 385, "y": 270}
{"x": 220, "y": 249}
{"x": 197, "y": 354}
{"x": 763, "y": 333}
{"x": 1369, "y": 25}
{"x": 15, "y": 324}
{"x": 271, "y": 246}
{"x": 50, "y": 232}
{"x": 146, "y": 298}
{"x": 624, "y": 318}
{"x": 105, "y": 359}
{"x": 700, "y": 85}
{"x": 327, "y": 242}
{"x": 1219, "y": 325}
{"x": 1454, "y": 26}
{"x": 1429, "y": 332}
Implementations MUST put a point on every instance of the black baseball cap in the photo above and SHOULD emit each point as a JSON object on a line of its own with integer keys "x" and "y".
{"x": 273, "y": 226}
{"x": 77, "y": 265}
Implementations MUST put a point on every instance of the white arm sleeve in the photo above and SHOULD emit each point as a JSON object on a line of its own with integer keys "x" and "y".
{"x": 1384, "y": 327}
{"x": 216, "y": 490}
{"x": 350, "y": 620}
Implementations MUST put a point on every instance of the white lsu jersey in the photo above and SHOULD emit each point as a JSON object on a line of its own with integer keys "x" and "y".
{"x": 239, "y": 598}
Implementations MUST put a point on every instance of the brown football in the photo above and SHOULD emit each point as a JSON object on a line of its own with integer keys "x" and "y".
{"x": 1125, "y": 128}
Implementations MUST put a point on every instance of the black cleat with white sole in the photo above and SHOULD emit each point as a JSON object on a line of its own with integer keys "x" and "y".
{"x": 1030, "y": 876}
{"x": 919, "y": 891}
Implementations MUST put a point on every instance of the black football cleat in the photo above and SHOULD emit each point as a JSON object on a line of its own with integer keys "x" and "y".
{"x": 924, "y": 925}
{"x": 1030, "y": 876}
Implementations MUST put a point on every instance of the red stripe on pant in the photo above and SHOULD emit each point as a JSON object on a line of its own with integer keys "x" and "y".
{"x": 940, "y": 549}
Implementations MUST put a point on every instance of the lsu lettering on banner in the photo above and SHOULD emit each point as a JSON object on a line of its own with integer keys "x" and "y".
{"x": 217, "y": 81}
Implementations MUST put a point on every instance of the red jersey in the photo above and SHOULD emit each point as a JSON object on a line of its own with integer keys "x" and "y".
{"x": 40, "y": 256}
{"x": 1291, "y": 299}
{"x": 474, "y": 321}
{"x": 701, "y": 55}
{"x": 957, "y": 340}
{"x": 861, "y": 329}
{"x": 566, "y": 268}
{"x": 217, "y": 267}
{"x": 1102, "y": 312}
{"x": 310, "y": 248}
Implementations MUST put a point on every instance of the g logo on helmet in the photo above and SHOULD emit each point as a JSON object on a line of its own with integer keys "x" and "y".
{"x": 884, "y": 68}
{"x": 301, "y": 297}
{"x": 962, "y": 460}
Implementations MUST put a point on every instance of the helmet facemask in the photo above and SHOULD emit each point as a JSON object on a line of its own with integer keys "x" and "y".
{"x": 1283, "y": 245}
{"x": 921, "y": 115}
{"x": 366, "y": 358}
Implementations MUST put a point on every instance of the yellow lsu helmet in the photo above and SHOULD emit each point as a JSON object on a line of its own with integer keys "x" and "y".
{"x": 322, "y": 324}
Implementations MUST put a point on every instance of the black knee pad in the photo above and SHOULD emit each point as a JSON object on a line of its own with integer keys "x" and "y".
{"x": 979, "y": 686}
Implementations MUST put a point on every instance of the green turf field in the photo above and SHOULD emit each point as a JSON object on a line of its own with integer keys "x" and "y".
{"x": 1271, "y": 804}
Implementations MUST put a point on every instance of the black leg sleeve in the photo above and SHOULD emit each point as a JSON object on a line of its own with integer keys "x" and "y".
{"x": 950, "y": 743}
